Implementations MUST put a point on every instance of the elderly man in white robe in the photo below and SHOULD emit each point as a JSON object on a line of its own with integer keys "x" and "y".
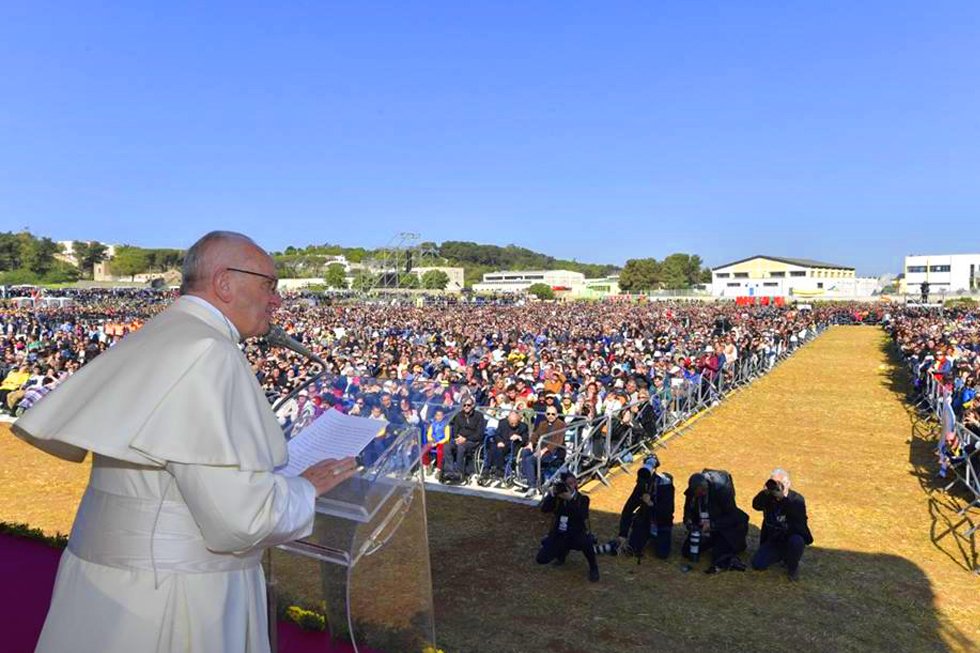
{"x": 164, "y": 554}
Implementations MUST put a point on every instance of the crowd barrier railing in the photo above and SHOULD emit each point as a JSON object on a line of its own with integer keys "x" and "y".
{"x": 589, "y": 447}
{"x": 957, "y": 447}
{"x": 592, "y": 448}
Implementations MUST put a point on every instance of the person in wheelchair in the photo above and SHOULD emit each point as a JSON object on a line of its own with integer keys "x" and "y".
{"x": 648, "y": 514}
{"x": 468, "y": 428}
{"x": 511, "y": 435}
{"x": 551, "y": 455}
{"x": 570, "y": 528}
{"x": 713, "y": 521}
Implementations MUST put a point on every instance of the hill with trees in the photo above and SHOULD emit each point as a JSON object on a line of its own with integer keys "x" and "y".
{"x": 29, "y": 259}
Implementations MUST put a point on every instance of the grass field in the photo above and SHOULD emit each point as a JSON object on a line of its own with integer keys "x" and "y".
{"x": 883, "y": 575}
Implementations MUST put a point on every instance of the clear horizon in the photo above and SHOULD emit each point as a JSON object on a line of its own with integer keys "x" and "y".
{"x": 839, "y": 133}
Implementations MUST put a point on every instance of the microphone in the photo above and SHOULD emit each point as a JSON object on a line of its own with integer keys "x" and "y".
{"x": 277, "y": 337}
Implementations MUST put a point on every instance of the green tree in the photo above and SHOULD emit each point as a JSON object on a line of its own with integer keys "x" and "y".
{"x": 129, "y": 261}
{"x": 435, "y": 280}
{"x": 9, "y": 251}
{"x": 37, "y": 254}
{"x": 541, "y": 291}
{"x": 640, "y": 274}
{"x": 675, "y": 271}
{"x": 705, "y": 276}
{"x": 61, "y": 272}
{"x": 335, "y": 276}
{"x": 87, "y": 255}
{"x": 408, "y": 280}
{"x": 363, "y": 280}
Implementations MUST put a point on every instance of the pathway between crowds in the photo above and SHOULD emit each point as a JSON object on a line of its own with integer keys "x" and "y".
{"x": 833, "y": 415}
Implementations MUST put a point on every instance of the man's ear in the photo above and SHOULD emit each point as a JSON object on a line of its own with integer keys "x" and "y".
{"x": 221, "y": 285}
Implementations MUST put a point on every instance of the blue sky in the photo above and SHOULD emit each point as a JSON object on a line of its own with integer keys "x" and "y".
{"x": 840, "y": 131}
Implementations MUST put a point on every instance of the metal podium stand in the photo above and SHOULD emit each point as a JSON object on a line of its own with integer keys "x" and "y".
{"x": 366, "y": 566}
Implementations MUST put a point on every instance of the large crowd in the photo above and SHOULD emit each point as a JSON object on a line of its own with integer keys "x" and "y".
{"x": 419, "y": 362}
{"x": 581, "y": 355}
{"x": 943, "y": 354}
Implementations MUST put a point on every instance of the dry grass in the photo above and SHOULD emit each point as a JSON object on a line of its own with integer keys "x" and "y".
{"x": 832, "y": 415}
{"x": 36, "y": 488}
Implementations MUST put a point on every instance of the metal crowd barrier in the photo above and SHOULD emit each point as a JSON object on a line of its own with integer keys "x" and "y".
{"x": 591, "y": 447}
{"x": 957, "y": 446}
{"x": 594, "y": 448}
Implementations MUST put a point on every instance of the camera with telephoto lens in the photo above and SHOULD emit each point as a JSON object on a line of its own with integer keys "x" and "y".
{"x": 559, "y": 487}
{"x": 774, "y": 487}
{"x": 609, "y": 548}
{"x": 694, "y": 544}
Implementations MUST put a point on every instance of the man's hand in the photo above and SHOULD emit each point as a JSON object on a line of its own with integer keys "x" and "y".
{"x": 460, "y": 440}
{"x": 328, "y": 474}
{"x": 646, "y": 499}
{"x": 514, "y": 437}
{"x": 705, "y": 526}
{"x": 501, "y": 445}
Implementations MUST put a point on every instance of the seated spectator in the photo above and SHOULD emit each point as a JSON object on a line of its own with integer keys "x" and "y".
{"x": 436, "y": 435}
{"x": 511, "y": 436}
{"x": 546, "y": 448}
{"x": 469, "y": 427}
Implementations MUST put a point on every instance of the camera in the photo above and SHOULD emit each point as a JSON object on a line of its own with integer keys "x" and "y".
{"x": 609, "y": 548}
{"x": 774, "y": 487}
{"x": 559, "y": 487}
{"x": 695, "y": 545}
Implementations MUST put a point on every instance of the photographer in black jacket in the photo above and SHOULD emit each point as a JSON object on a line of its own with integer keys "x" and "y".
{"x": 570, "y": 529}
{"x": 784, "y": 525}
{"x": 714, "y": 521}
{"x": 648, "y": 514}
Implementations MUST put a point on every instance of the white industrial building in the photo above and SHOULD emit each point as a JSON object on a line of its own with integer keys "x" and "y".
{"x": 946, "y": 273}
{"x": 512, "y": 281}
{"x": 776, "y": 276}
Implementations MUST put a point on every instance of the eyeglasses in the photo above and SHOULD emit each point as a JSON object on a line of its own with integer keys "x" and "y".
{"x": 272, "y": 284}
{"x": 551, "y": 414}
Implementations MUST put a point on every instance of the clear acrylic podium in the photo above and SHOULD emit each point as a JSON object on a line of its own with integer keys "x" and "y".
{"x": 366, "y": 566}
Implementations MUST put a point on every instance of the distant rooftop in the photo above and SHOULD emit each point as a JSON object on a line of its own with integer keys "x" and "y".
{"x": 802, "y": 262}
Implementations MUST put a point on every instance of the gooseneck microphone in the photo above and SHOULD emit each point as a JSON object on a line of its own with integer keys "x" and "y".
{"x": 277, "y": 337}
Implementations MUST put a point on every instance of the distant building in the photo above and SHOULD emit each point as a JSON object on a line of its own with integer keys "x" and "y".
{"x": 517, "y": 281}
{"x": 946, "y": 273}
{"x": 598, "y": 288}
{"x": 456, "y": 276}
{"x": 775, "y": 276}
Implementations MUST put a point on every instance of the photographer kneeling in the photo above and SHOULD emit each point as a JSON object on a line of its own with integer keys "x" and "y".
{"x": 649, "y": 511}
{"x": 784, "y": 525}
{"x": 714, "y": 521}
{"x": 570, "y": 529}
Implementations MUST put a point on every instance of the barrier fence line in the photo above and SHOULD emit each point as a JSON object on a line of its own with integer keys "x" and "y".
{"x": 957, "y": 447}
{"x": 594, "y": 448}
{"x": 590, "y": 447}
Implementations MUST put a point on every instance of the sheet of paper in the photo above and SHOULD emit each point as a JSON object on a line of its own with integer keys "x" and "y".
{"x": 331, "y": 435}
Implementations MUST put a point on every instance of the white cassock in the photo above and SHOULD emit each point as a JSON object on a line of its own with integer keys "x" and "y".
{"x": 164, "y": 554}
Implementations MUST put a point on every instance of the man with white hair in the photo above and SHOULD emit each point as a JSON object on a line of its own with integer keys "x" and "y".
{"x": 784, "y": 525}
{"x": 182, "y": 500}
